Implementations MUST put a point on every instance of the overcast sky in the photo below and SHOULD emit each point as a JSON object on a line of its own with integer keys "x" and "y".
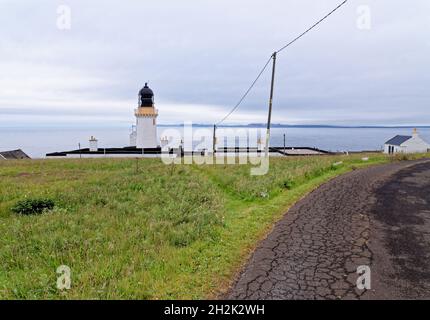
{"x": 199, "y": 56}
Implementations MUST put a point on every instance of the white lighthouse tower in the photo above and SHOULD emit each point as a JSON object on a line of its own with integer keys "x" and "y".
{"x": 146, "y": 120}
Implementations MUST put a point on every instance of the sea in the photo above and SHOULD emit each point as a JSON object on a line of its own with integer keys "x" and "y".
{"x": 37, "y": 142}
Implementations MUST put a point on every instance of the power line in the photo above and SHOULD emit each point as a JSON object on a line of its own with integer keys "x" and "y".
{"x": 246, "y": 93}
{"x": 316, "y": 24}
{"x": 268, "y": 61}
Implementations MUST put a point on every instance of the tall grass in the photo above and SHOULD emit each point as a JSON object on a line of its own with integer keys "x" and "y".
{"x": 159, "y": 232}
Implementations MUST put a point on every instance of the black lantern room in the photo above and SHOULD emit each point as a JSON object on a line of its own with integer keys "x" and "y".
{"x": 146, "y": 97}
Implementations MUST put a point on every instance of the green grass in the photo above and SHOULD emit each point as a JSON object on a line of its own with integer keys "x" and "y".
{"x": 165, "y": 232}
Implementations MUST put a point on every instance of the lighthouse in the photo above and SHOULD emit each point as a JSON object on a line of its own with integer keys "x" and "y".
{"x": 146, "y": 120}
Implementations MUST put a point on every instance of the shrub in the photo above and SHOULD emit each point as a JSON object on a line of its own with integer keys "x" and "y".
{"x": 33, "y": 206}
{"x": 401, "y": 157}
{"x": 288, "y": 184}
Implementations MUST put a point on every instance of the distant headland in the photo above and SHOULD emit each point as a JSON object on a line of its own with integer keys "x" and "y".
{"x": 280, "y": 125}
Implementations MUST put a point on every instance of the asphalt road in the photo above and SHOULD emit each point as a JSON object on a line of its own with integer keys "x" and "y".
{"x": 377, "y": 217}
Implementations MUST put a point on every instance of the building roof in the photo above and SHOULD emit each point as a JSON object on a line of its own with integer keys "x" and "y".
{"x": 146, "y": 97}
{"x": 146, "y": 90}
{"x": 133, "y": 151}
{"x": 13, "y": 155}
{"x": 398, "y": 140}
{"x": 125, "y": 150}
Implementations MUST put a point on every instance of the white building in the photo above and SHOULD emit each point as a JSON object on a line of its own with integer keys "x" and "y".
{"x": 93, "y": 144}
{"x": 143, "y": 136}
{"x": 406, "y": 144}
{"x": 145, "y": 133}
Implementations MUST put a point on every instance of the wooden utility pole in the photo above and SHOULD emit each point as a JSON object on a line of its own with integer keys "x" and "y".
{"x": 284, "y": 145}
{"x": 269, "y": 119}
{"x": 214, "y": 140}
{"x": 80, "y": 151}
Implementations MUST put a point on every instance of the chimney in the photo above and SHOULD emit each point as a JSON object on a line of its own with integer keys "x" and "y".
{"x": 415, "y": 133}
{"x": 93, "y": 144}
{"x": 164, "y": 141}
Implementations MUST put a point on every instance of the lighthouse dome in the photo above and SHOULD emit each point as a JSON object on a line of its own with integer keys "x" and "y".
{"x": 146, "y": 97}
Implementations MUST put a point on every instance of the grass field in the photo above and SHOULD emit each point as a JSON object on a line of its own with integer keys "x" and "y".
{"x": 164, "y": 232}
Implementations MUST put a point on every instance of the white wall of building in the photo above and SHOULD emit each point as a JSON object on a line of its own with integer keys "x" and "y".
{"x": 415, "y": 145}
{"x": 397, "y": 149}
{"x": 93, "y": 144}
{"x": 146, "y": 132}
{"x": 133, "y": 139}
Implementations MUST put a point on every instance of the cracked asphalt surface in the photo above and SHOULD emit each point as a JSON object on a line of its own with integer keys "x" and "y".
{"x": 378, "y": 217}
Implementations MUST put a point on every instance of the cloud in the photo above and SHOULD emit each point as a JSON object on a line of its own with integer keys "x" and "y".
{"x": 200, "y": 56}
